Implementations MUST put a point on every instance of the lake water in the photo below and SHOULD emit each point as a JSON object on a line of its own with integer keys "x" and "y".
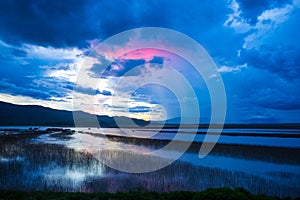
{"x": 266, "y": 163}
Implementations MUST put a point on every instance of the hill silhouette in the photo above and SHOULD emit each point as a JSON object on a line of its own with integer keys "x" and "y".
{"x": 33, "y": 115}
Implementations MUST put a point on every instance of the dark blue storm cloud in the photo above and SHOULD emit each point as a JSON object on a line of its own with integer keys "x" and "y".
{"x": 91, "y": 91}
{"x": 139, "y": 109}
{"x": 47, "y": 23}
{"x": 282, "y": 60}
{"x": 123, "y": 67}
{"x": 104, "y": 92}
{"x": 51, "y": 91}
{"x": 251, "y": 9}
{"x": 72, "y": 23}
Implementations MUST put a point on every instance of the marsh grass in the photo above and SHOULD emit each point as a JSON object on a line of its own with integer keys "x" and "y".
{"x": 279, "y": 155}
{"x": 53, "y": 167}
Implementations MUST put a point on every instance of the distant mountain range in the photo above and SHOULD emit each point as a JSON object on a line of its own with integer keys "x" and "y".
{"x": 32, "y": 115}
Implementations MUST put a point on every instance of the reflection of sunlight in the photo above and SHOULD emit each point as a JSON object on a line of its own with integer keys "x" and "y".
{"x": 146, "y": 118}
{"x": 18, "y": 158}
{"x": 94, "y": 144}
{"x": 75, "y": 175}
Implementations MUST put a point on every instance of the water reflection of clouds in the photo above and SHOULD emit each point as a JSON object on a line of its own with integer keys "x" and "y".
{"x": 75, "y": 174}
{"x": 249, "y": 166}
{"x": 11, "y": 159}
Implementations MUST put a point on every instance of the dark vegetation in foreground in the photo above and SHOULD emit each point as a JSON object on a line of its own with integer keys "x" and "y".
{"x": 214, "y": 193}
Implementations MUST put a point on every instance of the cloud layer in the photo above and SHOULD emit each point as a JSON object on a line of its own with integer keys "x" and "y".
{"x": 254, "y": 44}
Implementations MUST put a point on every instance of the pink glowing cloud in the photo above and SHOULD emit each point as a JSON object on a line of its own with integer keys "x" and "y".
{"x": 145, "y": 54}
{"x": 129, "y": 49}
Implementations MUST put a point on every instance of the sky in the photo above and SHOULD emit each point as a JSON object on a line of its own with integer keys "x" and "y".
{"x": 255, "y": 46}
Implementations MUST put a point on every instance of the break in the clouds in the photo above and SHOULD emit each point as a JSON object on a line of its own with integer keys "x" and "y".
{"x": 255, "y": 45}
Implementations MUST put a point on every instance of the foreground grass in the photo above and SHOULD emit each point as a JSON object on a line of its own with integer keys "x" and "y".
{"x": 213, "y": 194}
